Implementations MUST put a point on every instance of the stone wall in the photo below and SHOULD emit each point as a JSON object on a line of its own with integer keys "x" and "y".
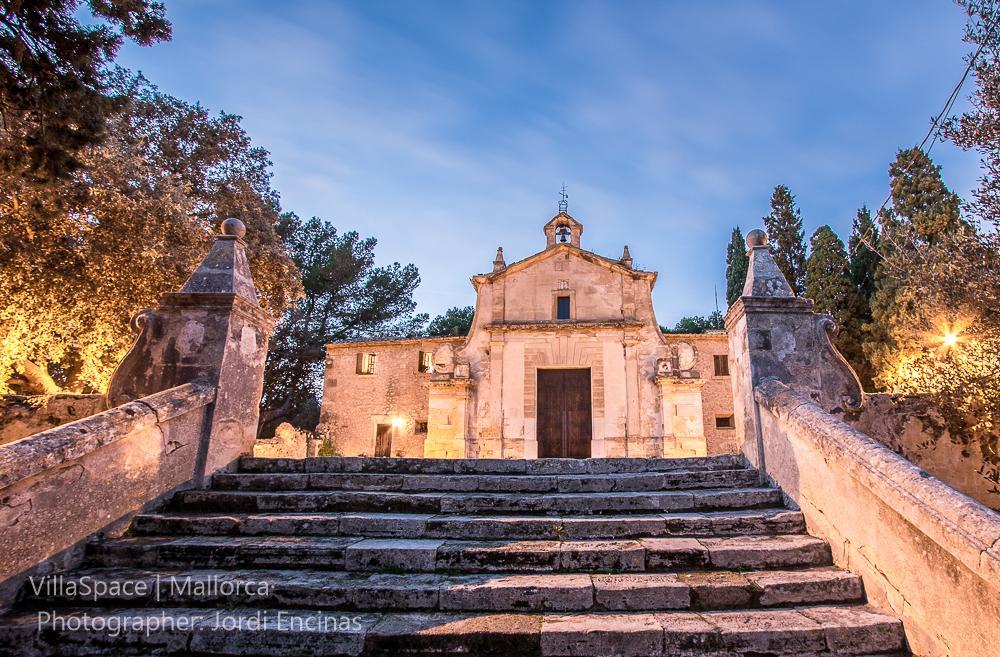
{"x": 716, "y": 392}
{"x": 927, "y": 553}
{"x": 912, "y": 428}
{"x": 396, "y": 394}
{"x": 22, "y": 416}
{"x": 288, "y": 443}
{"x": 60, "y": 486}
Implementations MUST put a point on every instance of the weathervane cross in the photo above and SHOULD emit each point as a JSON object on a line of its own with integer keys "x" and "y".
{"x": 563, "y": 199}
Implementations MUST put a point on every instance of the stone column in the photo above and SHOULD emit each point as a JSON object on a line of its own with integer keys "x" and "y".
{"x": 446, "y": 417}
{"x": 684, "y": 431}
{"x": 774, "y": 334}
{"x": 633, "y": 422}
{"x": 214, "y": 331}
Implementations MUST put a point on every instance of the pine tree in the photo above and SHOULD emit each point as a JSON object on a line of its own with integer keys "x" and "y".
{"x": 455, "y": 321}
{"x": 787, "y": 238}
{"x": 737, "y": 263}
{"x": 57, "y": 59}
{"x": 829, "y": 285}
{"x": 347, "y": 297}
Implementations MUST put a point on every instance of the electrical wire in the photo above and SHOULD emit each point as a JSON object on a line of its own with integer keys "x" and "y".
{"x": 933, "y": 134}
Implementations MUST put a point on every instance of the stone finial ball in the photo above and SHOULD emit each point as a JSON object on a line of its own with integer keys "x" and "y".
{"x": 756, "y": 237}
{"x": 233, "y": 226}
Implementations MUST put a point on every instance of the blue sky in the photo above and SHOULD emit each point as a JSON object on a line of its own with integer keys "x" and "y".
{"x": 445, "y": 129}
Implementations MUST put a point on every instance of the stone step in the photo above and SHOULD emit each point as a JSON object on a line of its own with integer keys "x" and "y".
{"x": 499, "y": 483}
{"x": 429, "y": 555}
{"x": 490, "y": 466}
{"x": 326, "y": 590}
{"x": 483, "y": 527}
{"x": 472, "y": 503}
{"x": 800, "y": 632}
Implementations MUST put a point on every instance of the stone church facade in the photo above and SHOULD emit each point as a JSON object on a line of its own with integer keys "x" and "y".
{"x": 564, "y": 358}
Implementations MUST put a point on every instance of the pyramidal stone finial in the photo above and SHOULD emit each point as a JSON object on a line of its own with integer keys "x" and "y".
{"x": 626, "y": 258}
{"x": 498, "y": 262}
{"x": 764, "y": 279}
{"x": 225, "y": 269}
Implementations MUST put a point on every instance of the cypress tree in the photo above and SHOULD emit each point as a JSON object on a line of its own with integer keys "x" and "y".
{"x": 737, "y": 262}
{"x": 787, "y": 238}
{"x": 829, "y": 285}
{"x": 864, "y": 259}
{"x": 920, "y": 199}
{"x": 864, "y": 262}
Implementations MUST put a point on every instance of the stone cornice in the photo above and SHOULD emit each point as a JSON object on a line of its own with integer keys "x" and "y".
{"x": 719, "y": 335}
{"x": 671, "y": 380}
{"x": 766, "y": 304}
{"x": 398, "y": 342}
{"x": 220, "y": 301}
{"x": 563, "y": 326}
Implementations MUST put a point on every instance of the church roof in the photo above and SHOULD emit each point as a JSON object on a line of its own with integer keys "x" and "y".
{"x": 589, "y": 256}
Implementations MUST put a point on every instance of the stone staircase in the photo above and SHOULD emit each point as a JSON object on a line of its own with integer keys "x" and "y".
{"x": 350, "y": 556}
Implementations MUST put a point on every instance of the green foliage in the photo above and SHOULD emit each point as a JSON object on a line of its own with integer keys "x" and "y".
{"x": 952, "y": 287}
{"x": 828, "y": 282}
{"x": 938, "y": 277}
{"x": 56, "y": 88}
{"x": 327, "y": 448}
{"x": 864, "y": 261}
{"x": 79, "y": 255}
{"x": 737, "y": 262}
{"x": 920, "y": 199}
{"x": 454, "y": 321}
{"x": 347, "y": 297}
{"x": 787, "y": 238}
{"x": 923, "y": 212}
{"x": 979, "y": 126}
{"x": 698, "y": 324}
{"x": 829, "y": 285}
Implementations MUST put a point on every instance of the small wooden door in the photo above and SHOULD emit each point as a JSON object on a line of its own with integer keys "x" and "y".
{"x": 563, "y": 413}
{"x": 383, "y": 440}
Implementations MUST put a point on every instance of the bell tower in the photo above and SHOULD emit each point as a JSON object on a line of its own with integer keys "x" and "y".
{"x": 563, "y": 229}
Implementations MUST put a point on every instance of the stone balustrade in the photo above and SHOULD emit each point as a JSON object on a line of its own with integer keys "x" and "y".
{"x": 61, "y": 486}
{"x": 927, "y": 553}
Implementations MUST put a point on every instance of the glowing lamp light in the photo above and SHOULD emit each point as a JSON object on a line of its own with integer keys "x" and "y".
{"x": 949, "y": 339}
{"x": 398, "y": 422}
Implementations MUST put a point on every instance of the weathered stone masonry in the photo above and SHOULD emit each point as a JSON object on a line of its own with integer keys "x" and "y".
{"x": 927, "y": 553}
{"x": 563, "y": 308}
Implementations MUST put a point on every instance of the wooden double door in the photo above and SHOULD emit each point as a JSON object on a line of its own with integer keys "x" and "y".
{"x": 564, "y": 424}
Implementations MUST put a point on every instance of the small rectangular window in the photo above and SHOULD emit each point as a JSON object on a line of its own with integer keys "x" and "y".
{"x": 725, "y": 422}
{"x": 562, "y": 307}
{"x": 366, "y": 364}
{"x": 420, "y": 426}
{"x": 425, "y": 361}
{"x": 721, "y": 365}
